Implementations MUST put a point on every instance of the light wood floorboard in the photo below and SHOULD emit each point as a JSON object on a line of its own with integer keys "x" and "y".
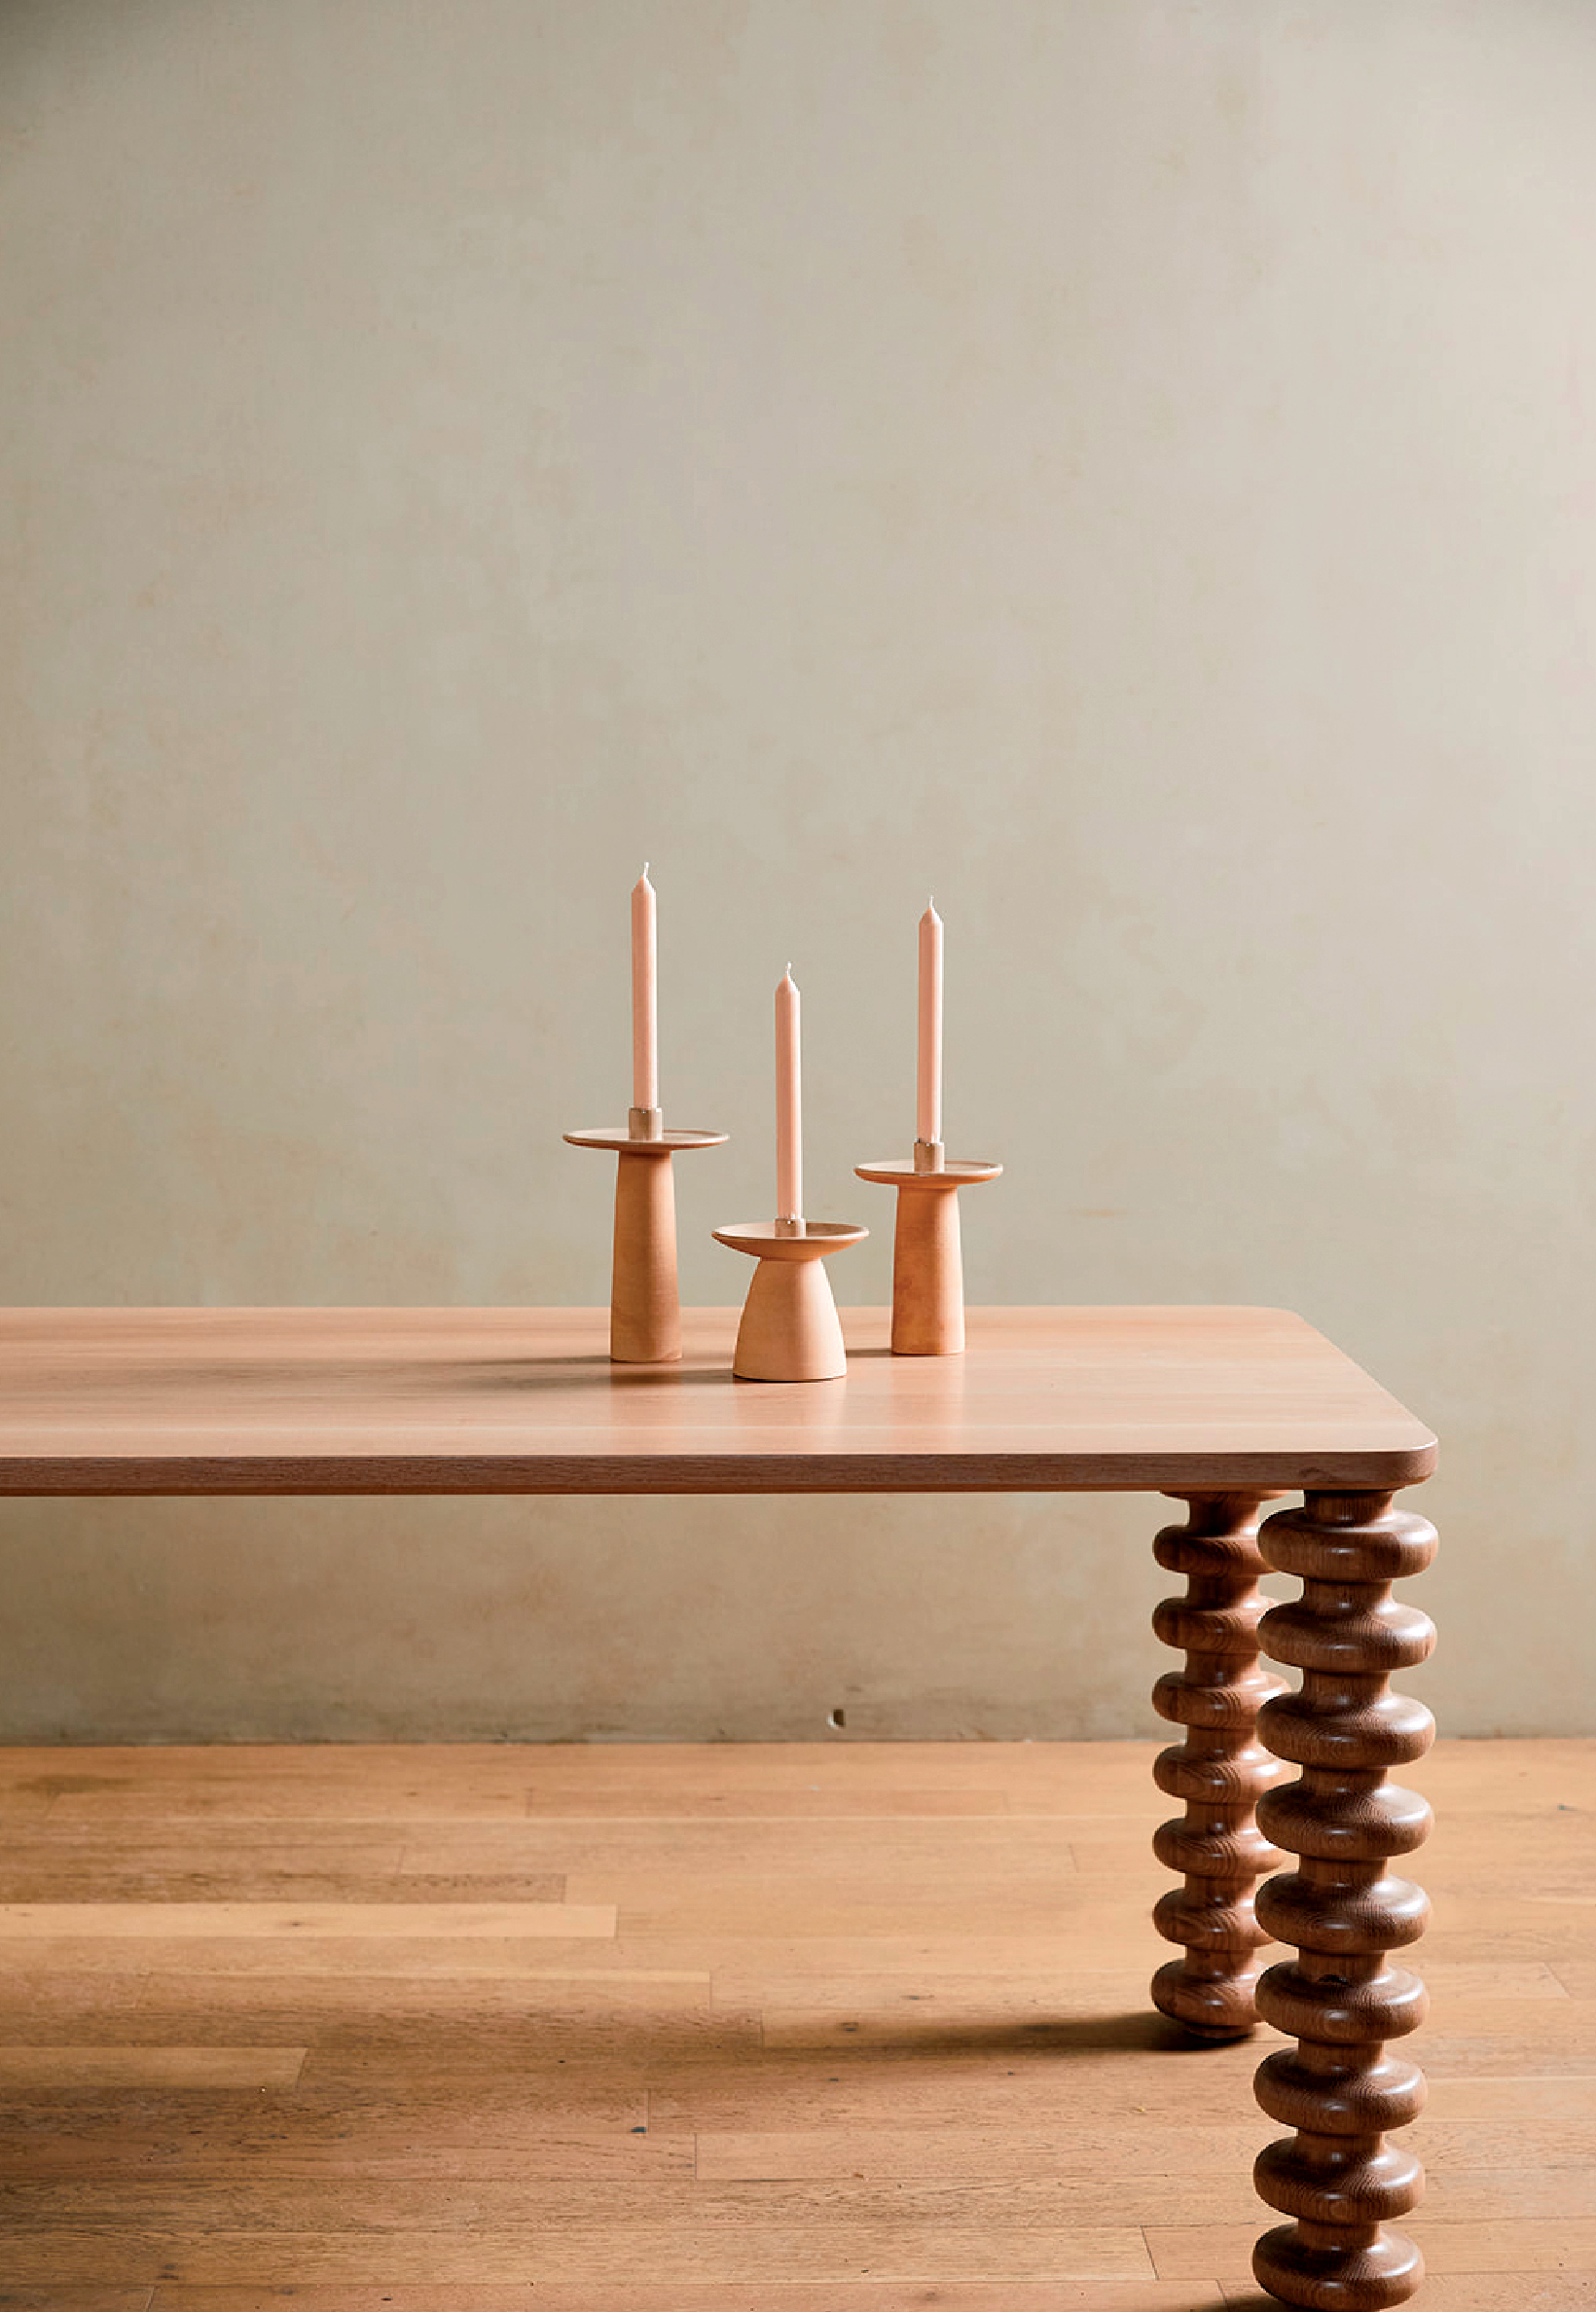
{"x": 785, "y": 2029}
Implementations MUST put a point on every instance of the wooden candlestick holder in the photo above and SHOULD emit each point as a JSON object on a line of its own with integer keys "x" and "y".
{"x": 928, "y": 1260}
{"x": 644, "y": 1305}
{"x": 789, "y": 1330}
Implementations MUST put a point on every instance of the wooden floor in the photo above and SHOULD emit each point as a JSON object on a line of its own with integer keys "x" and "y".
{"x": 851, "y": 2029}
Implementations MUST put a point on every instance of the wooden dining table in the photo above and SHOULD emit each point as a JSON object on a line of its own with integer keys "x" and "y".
{"x": 1224, "y": 1409}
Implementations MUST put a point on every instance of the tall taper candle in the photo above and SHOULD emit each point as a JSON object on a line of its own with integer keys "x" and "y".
{"x": 789, "y": 1106}
{"x": 645, "y": 1049}
{"x": 929, "y": 1105}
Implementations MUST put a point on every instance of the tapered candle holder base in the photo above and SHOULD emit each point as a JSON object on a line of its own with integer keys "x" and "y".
{"x": 927, "y": 1258}
{"x": 644, "y": 1303}
{"x": 789, "y": 1330}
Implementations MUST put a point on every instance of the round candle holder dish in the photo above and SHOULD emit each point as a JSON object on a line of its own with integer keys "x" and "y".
{"x": 789, "y": 1330}
{"x": 644, "y": 1302}
{"x": 928, "y": 1259}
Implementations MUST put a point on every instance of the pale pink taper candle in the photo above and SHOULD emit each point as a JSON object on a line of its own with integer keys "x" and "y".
{"x": 645, "y": 1046}
{"x": 929, "y": 1102}
{"x": 789, "y": 1106}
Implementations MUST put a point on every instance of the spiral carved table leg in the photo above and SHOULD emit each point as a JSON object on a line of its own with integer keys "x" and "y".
{"x": 1339, "y": 2088}
{"x": 1220, "y": 1770}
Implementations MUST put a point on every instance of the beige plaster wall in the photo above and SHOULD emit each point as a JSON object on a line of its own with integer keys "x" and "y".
{"x": 1126, "y": 466}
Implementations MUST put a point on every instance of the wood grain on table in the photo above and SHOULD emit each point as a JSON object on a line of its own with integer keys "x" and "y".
{"x": 526, "y": 1400}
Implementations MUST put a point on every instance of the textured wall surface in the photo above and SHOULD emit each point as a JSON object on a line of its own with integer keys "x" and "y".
{"x": 1127, "y": 466}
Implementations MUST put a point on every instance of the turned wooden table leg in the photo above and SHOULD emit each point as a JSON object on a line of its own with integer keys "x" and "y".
{"x": 1337, "y": 2177}
{"x": 1220, "y": 1770}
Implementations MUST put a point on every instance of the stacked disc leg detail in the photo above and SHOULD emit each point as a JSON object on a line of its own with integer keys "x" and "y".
{"x": 1220, "y": 1770}
{"x": 1337, "y": 2179}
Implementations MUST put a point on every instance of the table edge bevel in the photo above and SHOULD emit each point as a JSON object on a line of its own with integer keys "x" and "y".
{"x": 98, "y": 1475}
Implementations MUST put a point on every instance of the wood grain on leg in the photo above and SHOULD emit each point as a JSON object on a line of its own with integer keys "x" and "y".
{"x": 1220, "y": 1770}
{"x": 1337, "y": 2178}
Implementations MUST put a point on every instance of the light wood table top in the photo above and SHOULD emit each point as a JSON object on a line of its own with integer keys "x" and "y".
{"x": 526, "y": 1400}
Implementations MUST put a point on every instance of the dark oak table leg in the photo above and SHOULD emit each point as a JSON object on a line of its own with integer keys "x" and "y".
{"x": 1337, "y": 2177}
{"x": 1220, "y": 1770}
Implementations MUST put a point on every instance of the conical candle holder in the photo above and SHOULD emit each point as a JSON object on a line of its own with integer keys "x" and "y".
{"x": 789, "y": 1330}
{"x": 927, "y": 1258}
{"x": 644, "y": 1302}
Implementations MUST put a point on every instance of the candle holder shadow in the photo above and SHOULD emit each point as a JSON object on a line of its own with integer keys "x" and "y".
{"x": 927, "y": 1257}
{"x": 789, "y": 1330}
{"x": 644, "y": 1303}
